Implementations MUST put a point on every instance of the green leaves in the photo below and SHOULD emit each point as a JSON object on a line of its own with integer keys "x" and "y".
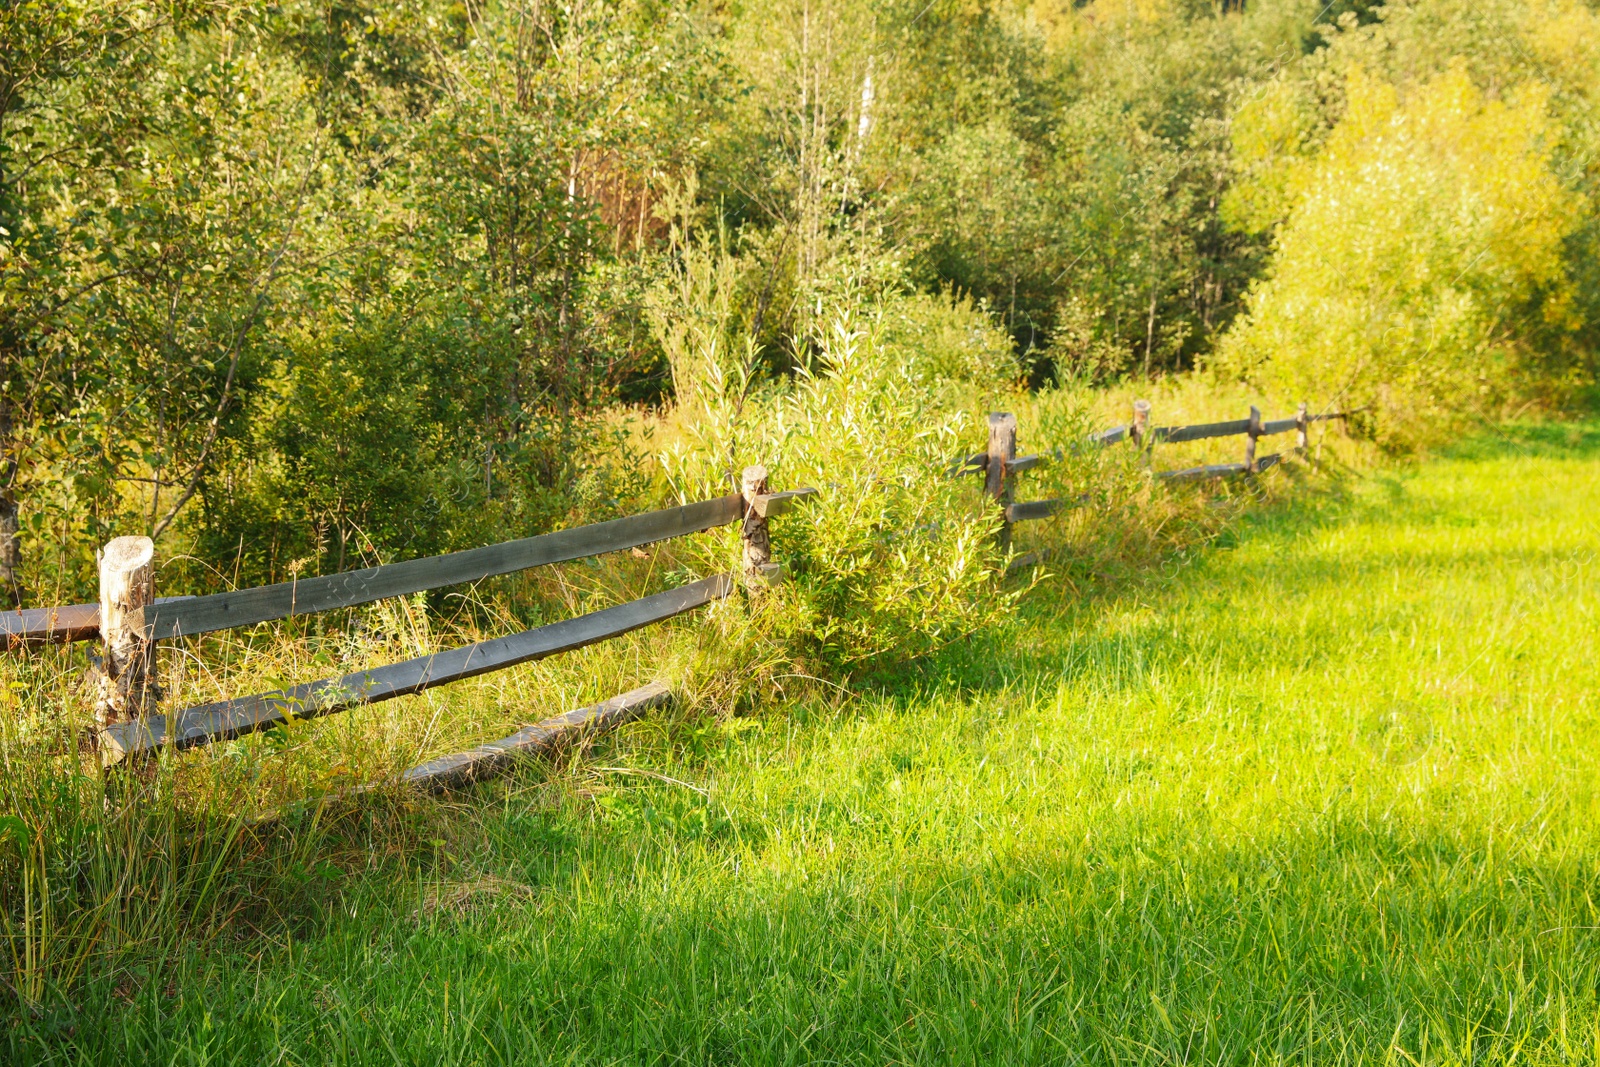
{"x": 1423, "y": 259}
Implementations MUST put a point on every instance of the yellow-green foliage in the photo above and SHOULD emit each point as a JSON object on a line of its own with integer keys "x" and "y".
{"x": 1422, "y": 250}
{"x": 893, "y": 556}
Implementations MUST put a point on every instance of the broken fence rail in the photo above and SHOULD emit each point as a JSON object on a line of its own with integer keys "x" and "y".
{"x": 541, "y": 739}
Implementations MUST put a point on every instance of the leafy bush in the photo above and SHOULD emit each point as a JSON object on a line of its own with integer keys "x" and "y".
{"x": 893, "y": 557}
{"x": 1421, "y": 257}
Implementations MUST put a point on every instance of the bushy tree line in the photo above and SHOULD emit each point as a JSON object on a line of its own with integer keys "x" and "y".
{"x": 1430, "y": 179}
{"x": 289, "y": 285}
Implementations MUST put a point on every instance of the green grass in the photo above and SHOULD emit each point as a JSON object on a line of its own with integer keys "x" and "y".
{"x": 1323, "y": 792}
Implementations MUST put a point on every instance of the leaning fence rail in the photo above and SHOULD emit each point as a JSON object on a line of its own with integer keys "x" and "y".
{"x": 228, "y": 719}
{"x": 129, "y": 620}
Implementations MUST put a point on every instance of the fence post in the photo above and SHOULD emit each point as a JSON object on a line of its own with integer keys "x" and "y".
{"x": 1250, "y": 439}
{"x": 1139, "y": 431}
{"x": 997, "y": 482}
{"x": 127, "y": 669}
{"x": 1302, "y": 422}
{"x": 759, "y": 570}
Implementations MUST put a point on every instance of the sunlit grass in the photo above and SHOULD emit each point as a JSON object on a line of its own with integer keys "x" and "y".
{"x": 1324, "y": 791}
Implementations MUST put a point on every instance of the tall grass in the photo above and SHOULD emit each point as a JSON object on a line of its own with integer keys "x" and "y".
{"x": 894, "y": 561}
{"x": 1323, "y": 793}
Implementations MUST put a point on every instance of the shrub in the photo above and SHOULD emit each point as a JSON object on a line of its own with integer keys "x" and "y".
{"x": 894, "y": 557}
{"x": 1421, "y": 256}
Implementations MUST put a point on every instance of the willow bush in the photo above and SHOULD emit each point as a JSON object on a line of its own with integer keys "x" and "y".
{"x": 893, "y": 557}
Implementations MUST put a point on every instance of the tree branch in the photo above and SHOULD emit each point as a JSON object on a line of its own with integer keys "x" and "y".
{"x": 236, "y": 349}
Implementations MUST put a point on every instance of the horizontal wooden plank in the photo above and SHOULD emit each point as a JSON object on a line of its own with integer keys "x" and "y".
{"x": 1175, "y": 434}
{"x": 976, "y": 463}
{"x": 247, "y": 607}
{"x": 1034, "y": 509}
{"x": 979, "y": 464}
{"x": 227, "y": 719}
{"x": 1200, "y": 473}
{"x": 57, "y": 625}
{"x": 771, "y": 505}
{"x": 1109, "y": 437}
{"x": 1216, "y": 470}
{"x": 485, "y": 761}
{"x": 35, "y": 626}
{"x": 1200, "y": 431}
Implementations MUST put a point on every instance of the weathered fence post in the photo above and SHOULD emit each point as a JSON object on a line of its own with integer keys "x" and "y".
{"x": 1302, "y": 424}
{"x": 1250, "y": 439}
{"x": 127, "y": 670}
{"x": 997, "y": 481}
{"x": 1139, "y": 431}
{"x": 759, "y": 570}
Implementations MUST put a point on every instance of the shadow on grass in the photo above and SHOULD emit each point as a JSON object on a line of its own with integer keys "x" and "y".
{"x": 1156, "y": 944}
{"x": 1578, "y": 439}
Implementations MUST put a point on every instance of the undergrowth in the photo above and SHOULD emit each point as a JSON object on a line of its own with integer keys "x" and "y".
{"x": 894, "y": 561}
{"x": 1320, "y": 791}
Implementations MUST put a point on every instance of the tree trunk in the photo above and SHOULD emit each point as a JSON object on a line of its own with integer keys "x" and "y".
{"x": 10, "y": 515}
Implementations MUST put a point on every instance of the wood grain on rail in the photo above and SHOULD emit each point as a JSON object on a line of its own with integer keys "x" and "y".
{"x": 1216, "y": 470}
{"x": 1034, "y": 509}
{"x": 56, "y": 625}
{"x": 463, "y": 768}
{"x": 38, "y": 626}
{"x": 247, "y": 607}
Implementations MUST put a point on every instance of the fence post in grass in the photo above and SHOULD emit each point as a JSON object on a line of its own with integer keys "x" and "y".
{"x": 1302, "y": 423}
{"x": 1139, "y": 431}
{"x": 127, "y": 670}
{"x": 1250, "y": 439}
{"x": 759, "y": 570}
{"x": 997, "y": 482}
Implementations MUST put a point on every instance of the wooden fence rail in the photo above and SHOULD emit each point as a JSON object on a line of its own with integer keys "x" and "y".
{"x": 228, "y": 719}
{"x": 998, "y": 465}
{"x": 247, "y": 607}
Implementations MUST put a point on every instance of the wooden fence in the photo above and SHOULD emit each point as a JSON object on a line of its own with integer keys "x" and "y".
{"x": 129, "y": 619}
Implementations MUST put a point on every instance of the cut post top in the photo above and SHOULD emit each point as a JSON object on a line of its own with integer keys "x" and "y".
{"x": 1002, "y": 450}
{"x": 753, "y": 481}
{"x": 127, "y": 553}
{"x": 1140, "y": 429}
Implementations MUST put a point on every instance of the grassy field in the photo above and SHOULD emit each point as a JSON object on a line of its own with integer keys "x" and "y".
{"x": 1325, "y": 791}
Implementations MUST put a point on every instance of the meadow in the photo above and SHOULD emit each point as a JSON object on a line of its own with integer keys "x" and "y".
{"x": 1291, "y": 767}
{"x": 1320, "y": 790}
